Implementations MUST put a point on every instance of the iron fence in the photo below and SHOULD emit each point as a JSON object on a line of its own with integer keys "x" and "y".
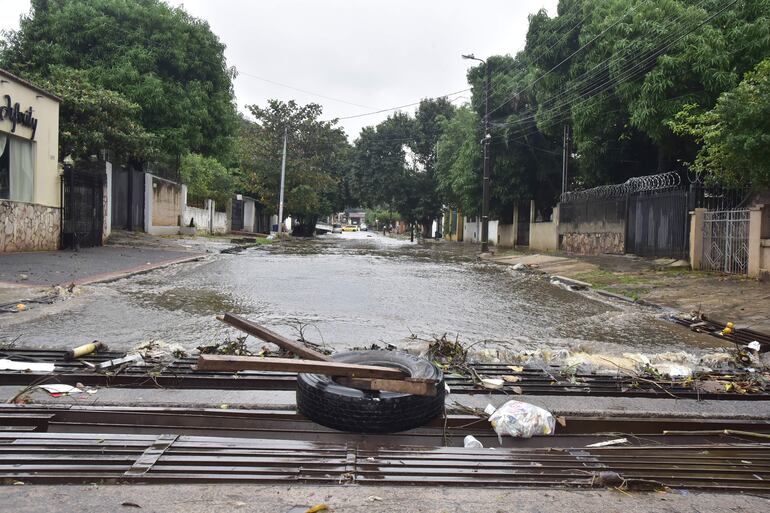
{"x": 726, "y": 241}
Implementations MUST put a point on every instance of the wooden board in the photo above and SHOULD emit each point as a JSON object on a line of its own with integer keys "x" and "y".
{"x": 406, "y": 386}
{"x": 227, "y": 363}
{"x": 267, "y": 335}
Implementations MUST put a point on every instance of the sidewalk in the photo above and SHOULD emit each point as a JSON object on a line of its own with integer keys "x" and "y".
{"x": 89, "y": 265}
{"x": 665, "y": 282}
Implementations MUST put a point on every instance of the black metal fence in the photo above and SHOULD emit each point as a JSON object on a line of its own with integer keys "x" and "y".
{"x": 658, "y": 224}
{"x": 649, "y": 213}
{"x": 236, "y": 221}
{"x": 597, "y": 213}
{"x": 82, "y": 206}
{"x": 127, "y": 198}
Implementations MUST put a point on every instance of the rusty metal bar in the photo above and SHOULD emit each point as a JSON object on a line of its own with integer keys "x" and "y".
{"x": 532, "y": 380}
{"x": 723, "y": 467}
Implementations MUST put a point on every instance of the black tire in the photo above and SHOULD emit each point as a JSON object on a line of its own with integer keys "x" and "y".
{"x": 348, "y": 409}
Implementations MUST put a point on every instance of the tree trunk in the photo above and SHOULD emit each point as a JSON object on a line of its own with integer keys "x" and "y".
{"x": 304, "y": 227}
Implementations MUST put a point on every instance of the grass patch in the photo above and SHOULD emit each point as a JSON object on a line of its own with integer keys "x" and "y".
{"x": 633, "y": 286}
{"x": 603, "y": 279}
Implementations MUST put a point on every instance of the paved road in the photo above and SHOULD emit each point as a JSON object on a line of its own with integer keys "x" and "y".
{"x": 296, "y": 498}
{"x": 64, "y": 267}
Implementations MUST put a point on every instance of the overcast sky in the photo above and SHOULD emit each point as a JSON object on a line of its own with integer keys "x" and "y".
{"x": 373, "y": 53}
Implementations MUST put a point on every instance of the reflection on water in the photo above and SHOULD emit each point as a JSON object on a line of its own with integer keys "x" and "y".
{"x": 355, "y": 290}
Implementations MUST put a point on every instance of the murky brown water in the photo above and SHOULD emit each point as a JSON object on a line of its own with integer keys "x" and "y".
{"x": 353, "y": 290}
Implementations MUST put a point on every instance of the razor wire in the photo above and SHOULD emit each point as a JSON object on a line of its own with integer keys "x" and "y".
{"x": 659, "y": 182}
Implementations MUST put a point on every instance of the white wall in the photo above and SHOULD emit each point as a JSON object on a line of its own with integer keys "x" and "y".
{"x": 201, "y": 216}
{"x": 505, "y": 235}
{"x": 150, "y": 206}
{"x": 472, "y": 231}
{"x": 248, "y": 215}
{"x": 219, "y": 222}
{"x": 108, "y": 202}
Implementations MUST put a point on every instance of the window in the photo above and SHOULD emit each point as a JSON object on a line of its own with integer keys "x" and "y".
{"x": 5, "y": 168}
{"x": 17, "y": 169}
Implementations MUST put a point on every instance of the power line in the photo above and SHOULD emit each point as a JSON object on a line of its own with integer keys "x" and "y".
{"x": 303, "y": 90}
{"x": 510, "y": 67}
{"x": 626, "y": 75}
{"x": 620, "y": 18}
{"x": 401, "y": 106}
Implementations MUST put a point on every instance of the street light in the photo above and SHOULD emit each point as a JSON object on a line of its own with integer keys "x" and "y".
{"x": 485, "y": 141}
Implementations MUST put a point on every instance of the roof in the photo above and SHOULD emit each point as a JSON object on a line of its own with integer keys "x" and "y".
{"x": 8, "y": 74}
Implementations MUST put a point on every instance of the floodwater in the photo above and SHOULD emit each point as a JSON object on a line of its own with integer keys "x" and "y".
{"x": 354, "y": 290}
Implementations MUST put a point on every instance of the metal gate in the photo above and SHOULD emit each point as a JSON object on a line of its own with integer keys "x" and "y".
{"x": 82, "y": 208}
{"x": 726, "y": 241}
{"x": 127, "y": 198}
{"x": 522, "y": 226}
{"x": 237, "y": 215}
{"x": 658, "y": 224}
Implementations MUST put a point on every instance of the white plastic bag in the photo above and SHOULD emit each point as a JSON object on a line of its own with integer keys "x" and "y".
{"x": 522, "y": 420}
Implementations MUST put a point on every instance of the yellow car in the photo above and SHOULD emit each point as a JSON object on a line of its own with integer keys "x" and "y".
{"x": 350, "y": 228}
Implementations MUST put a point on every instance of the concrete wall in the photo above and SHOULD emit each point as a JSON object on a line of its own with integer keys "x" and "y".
{"x": 165, "y": 197}
{"x": 107, "y": 195}
{"x": 472, "y": 231}
{"x": 219, "y": 221}
{"x": 594, "y": 243}
{"x": 47, "y": 186}
{"x": 29, "y": 227}
{"x": 249, "y": 208}
{"x": 207, "y": 220}
{"x": 505, "y": 233}
{"x": 453, "y": 225}
{"x": 593, "y": 227}
{"x": 544, "y": 235}
{"x": 165, "y": 203}
{"x": 201, "y": 217}
{"x": 759, "y": 248}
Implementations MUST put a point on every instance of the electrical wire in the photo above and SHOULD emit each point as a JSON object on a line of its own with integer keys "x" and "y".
{"x": 581, "y": 48}
{"x": 400, "y": 106}
{"x": 303, "y": 90}
{"x": 627, "y": 75}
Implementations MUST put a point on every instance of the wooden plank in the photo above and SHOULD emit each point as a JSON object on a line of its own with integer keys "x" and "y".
{"x": 267, "y": 335}
{"x": 227, "y": 363}
{"x": 406, "y": 386}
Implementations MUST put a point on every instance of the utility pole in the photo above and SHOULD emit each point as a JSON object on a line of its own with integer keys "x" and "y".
{"x": 486, "y": 141}
{"x": 487, "y": 164}
{"x": 566, "y": 151}
{"x": 283, "y": 177}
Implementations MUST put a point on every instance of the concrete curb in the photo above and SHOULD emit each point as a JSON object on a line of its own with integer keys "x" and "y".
{"x": 582, "y": 285}
{"x": 131, "y": 271}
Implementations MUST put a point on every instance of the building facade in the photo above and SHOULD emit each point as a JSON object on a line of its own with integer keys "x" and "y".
{"x": 30, "y": 183}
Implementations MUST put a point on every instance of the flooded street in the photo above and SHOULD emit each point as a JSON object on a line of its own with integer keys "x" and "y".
{"x": 353, "y": 290}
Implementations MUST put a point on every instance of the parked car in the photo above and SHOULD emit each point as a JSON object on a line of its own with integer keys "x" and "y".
{"x": 364, "y": 228}
{"x": 337, "y": 228}
{"x": 350, "y": 228}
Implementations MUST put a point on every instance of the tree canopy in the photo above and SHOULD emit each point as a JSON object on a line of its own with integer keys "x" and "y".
{"x": 645, "y": 87}
{"x": 148, "y": 64}
{"x": 735, "y": 134}
{"x": 316, "y": 161}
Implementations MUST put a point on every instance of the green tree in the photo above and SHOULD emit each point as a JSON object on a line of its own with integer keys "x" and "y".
{"x": 629, "y": 66}
{"x": 93, "y": 118}
{"x": 734, "y": 136}
{"x": 317, "y": 154}
{"x": 428, "y": 121}
{"x": 458, "y": 165}
{"x": 155, "y": 56}
{"x": 206, "y": 177}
